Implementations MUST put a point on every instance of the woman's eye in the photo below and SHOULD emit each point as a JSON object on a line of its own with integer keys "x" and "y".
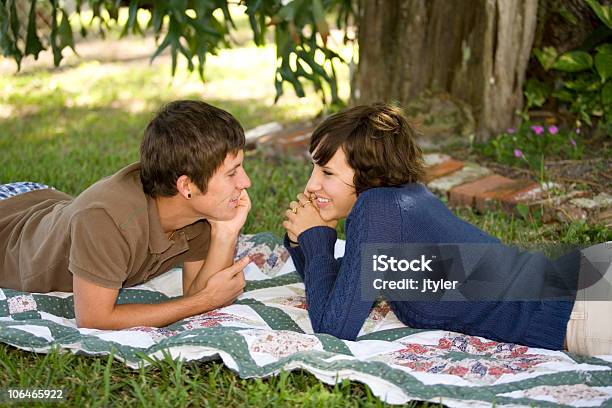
{"x": 327, "y": 173}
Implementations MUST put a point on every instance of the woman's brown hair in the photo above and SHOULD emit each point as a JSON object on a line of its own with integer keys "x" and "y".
{"x": 379, "y": 144}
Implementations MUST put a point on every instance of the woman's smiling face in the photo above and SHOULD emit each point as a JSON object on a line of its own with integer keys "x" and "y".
{"x": 332, "y": 186}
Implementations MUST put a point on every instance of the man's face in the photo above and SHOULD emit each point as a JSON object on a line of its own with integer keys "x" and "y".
{"x": 224, "y": 187}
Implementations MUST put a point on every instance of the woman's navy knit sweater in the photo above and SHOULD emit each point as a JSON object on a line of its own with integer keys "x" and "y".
{"x": 411, "y": 214}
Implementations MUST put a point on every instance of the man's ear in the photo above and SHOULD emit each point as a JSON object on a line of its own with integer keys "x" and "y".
{"x": 183, "y": 186}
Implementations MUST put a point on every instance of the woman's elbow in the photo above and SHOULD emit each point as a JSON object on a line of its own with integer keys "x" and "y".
{"x": 335, "y": 330}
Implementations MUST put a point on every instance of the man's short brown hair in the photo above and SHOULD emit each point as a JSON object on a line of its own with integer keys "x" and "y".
{"x": 189, "y": 138}
{"x": 379, "y": 144}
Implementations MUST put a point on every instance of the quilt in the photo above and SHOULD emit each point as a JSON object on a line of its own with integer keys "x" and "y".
{"x": 267, "y": 330}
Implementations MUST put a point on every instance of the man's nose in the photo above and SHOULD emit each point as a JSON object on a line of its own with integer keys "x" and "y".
{"x": 245, "y": 181}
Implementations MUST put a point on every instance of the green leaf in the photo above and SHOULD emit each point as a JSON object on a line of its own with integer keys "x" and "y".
{"x": 320, "y": 21}
{"x": 574, "y": 61}
{"x": 252, "y": 7}
{"x": 226, "y": 13}
{"x": 536, "y": 92}
{"x": 278, "y": 85}
{"x": 157, "y": 16}
{"x": 165, "y": 43}
{"x": 603, "y": 12}
{"x": 113, "y": 12}
{"x": 603, "y": 62}
{"x": 132, "y": 14}
{"x": 14, "y": 19}
{"x": 33, "y": 44}
{"x": 257, "y": 35}
{"x": 287, "y": 12}
{"x": 547, "y": 57}
{"x": 606, "y": 48}
{"x": 7, "y": 44}
{"x": 65, "y": 32}
{"x": 563, "y": 95}
{"x": 606, "y": 97}
{"x": 523, "y": 210}
{"x": 584, "y": 83}
{"x": 57, "y": 51}
{"x": 568, "y": 16}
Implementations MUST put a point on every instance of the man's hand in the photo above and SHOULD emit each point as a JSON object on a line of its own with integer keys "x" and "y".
{"x": 95, "y": 306}
{"x": 302, "y": 215}
{"x": 232, "y": 227}
{"x": 225, "y": 286}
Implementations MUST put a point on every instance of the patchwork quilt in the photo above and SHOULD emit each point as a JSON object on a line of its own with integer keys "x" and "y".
{"x": 268, "y": 330}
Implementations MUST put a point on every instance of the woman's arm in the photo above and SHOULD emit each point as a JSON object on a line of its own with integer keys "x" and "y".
{"x": 333, "y": 287}
{"x": 296, "y": 255}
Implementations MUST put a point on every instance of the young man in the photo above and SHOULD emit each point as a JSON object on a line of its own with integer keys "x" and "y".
{"x": 183, "y": 203}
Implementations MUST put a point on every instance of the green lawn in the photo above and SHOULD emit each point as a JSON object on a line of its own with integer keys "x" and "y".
{"x": 69, "y": 127}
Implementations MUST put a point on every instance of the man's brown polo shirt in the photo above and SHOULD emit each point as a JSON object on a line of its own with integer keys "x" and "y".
{"x": 110, "y": 235}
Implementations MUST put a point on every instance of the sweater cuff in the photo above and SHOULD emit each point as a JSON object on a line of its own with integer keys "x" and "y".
{"x": 548, "y": 326}
{"x": 294, "y": 251}
{"x": 317, "y": 241}
{"x": 287, "y": 242}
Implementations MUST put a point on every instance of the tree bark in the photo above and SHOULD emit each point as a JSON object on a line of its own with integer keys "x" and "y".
{"x": 476, "y": 51}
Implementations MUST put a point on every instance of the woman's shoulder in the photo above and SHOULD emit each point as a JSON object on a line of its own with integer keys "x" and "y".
{"x": 392, "y": 202}
{"x": 407, "y": 193}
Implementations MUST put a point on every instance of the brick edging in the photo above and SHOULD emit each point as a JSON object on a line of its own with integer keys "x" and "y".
{"x": 471, "y": 185}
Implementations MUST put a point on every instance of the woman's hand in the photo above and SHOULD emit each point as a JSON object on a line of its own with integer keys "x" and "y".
{"x": 303, "y": 214}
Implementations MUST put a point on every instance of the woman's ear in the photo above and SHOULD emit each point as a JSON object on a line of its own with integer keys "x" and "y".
{"x": 183, "y": 186}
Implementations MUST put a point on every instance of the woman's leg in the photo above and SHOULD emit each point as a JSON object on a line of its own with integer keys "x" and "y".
{"x": 14, "y": 189}
{"x": 589, "y": 330}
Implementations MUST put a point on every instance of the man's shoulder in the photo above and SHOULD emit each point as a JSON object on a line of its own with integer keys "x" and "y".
{"x": 27, "y": 200}
{"x": 125, "y": 181}
{"x": 118, "y": 198}
{"x": 119, "y": 194}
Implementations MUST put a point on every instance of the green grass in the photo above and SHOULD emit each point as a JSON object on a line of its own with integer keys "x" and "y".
{"x": 70, "y": 127}
{"x": 101, "y": 381}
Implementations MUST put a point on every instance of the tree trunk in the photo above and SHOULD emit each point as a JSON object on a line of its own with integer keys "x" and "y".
{"x": 476, "y": 51}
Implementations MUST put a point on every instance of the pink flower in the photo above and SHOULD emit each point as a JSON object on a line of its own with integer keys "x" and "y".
{"x": 518, "y": 153}
{"x": 553, "y": 130}
{"x": 538, "y": 130}
{"x": 511, "y": 130}
{"x": 573, "y": 142}
{"x": 577, "y": 131}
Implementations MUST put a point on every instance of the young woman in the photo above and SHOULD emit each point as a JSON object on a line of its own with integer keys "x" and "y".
{"x": 367, "y": 169}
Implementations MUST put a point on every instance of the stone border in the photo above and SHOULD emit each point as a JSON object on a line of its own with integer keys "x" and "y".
{"x": 467, "y": 184}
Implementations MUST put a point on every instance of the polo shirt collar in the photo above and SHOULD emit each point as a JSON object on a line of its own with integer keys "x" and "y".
{"x": 158, "y": 242}
{"x": 195, "y": 229}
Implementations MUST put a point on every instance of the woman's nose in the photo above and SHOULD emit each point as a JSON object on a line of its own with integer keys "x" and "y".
{"x": 313, "y": 184}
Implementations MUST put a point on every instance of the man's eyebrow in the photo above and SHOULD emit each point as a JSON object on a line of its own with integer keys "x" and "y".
{"x": 233, "y": 168}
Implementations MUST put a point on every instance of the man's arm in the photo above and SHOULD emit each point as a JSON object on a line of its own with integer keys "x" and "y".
{"x": 220, "y": 256}
{"x": 95, "y": 306}
{"x": 190, "y": 272}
